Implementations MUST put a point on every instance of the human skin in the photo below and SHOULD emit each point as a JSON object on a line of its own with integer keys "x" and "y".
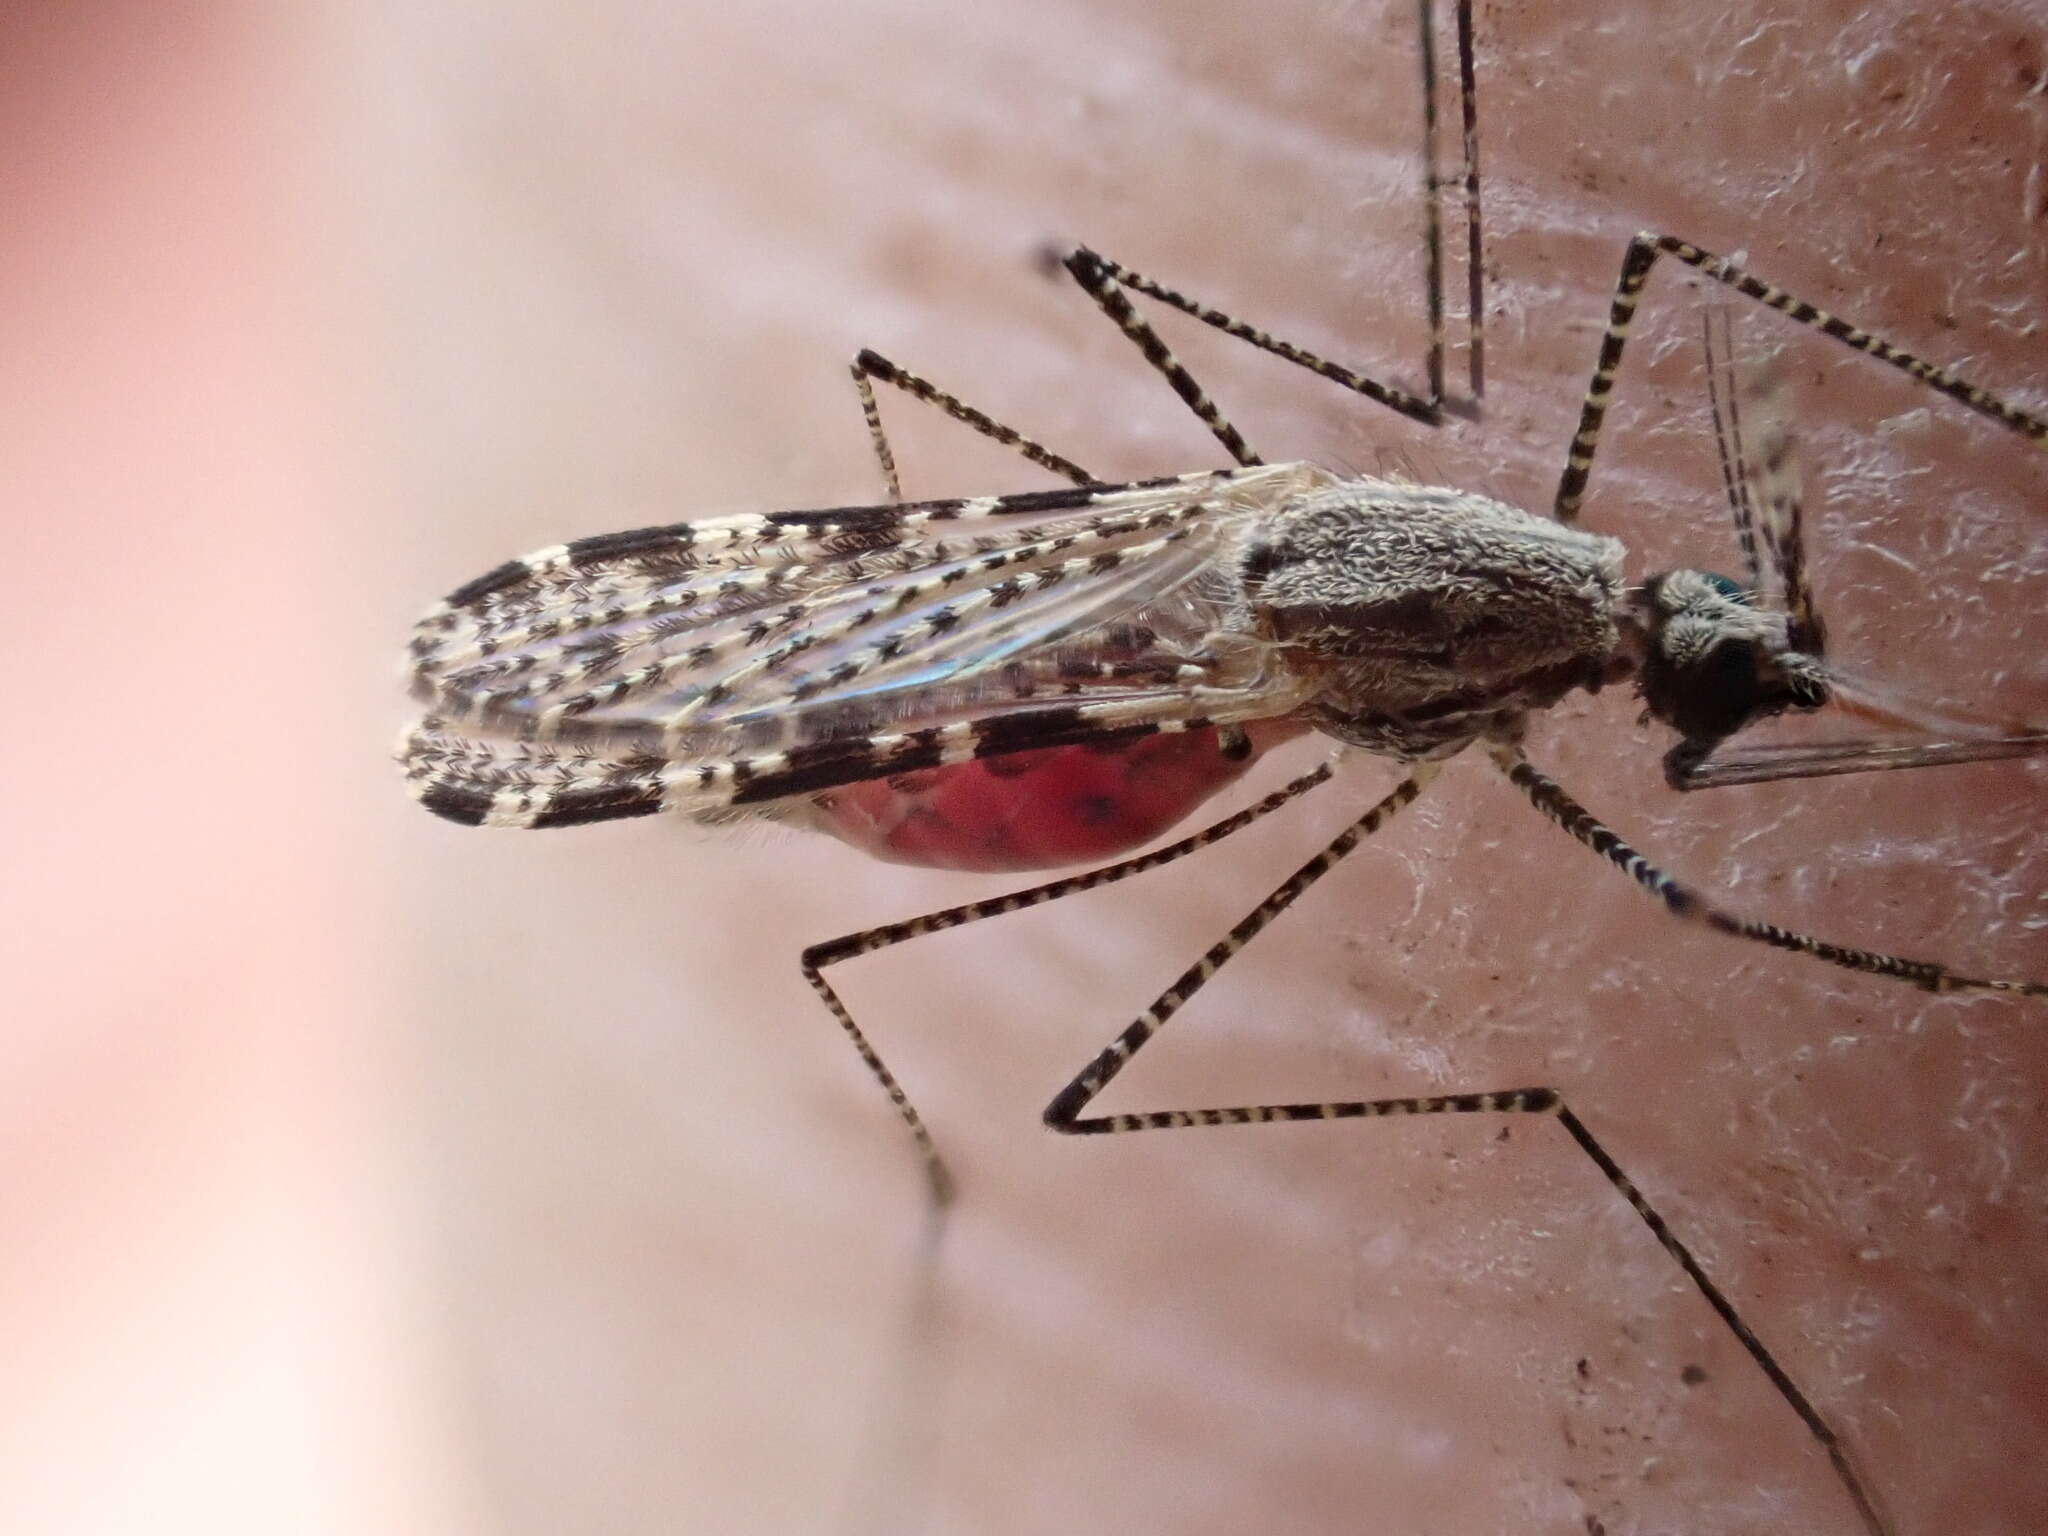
{"x": 209, "y": 1313}
{"x": 591, "y": 273}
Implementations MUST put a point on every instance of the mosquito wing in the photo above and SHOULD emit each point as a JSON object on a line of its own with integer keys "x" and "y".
{"x": 742, "y": 660}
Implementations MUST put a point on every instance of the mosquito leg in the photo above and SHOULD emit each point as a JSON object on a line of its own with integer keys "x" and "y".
{"x": 819, "y": 956}
{"x": 1105, "y": 281}
{"x": 868, "y": 364}
{"x": 1475, "y": 270}
{"x": 1099, "y": 278}
{"x": 1432, "y": 204}
{"x": 1642, "y": 254}
{"x": 1860, "y": 1493}
{"x": 1067, "y": 1105}
{"x": 1432, "y": 185}
{"x": 1687, "y": 904}
{"x": 1065, "y": 1115}
{"x": 1062, "y": 1117}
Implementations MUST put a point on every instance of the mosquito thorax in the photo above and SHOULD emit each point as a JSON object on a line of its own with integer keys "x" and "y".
{"x": 1421, "y": 618}
{"x": 1713, "y": 661}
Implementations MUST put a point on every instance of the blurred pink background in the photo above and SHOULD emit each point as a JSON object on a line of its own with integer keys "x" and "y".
{"x": 368, "y": 1175}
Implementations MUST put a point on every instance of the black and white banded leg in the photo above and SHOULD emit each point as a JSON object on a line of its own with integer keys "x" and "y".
{"x": 1689, "y": 906}
{"x": 1636, "y": 263}
{"x": 833, "y": 952}
{"x": 869, "y": 364}
{"x": 1475, "y": 272}
{"x": 1065, "y": 1114}
{"x": 1105, "y": 281}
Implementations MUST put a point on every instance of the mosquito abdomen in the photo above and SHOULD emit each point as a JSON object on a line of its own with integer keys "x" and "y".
{"x": 1040, "y": 809}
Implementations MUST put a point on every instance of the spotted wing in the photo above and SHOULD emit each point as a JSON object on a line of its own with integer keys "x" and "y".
{"x": 742, "y": 660}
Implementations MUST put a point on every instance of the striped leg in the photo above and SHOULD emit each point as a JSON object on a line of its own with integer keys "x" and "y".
{"x": 818, "y": 956}
{"x": 868, "y": 364}
{"x": 1475, "y": 272}
{"x": 1684, "y": 903}
{"x": 1065, "y": 1115}
{"x": 1105, "y": 281}
{"x": 1642, "y": 254}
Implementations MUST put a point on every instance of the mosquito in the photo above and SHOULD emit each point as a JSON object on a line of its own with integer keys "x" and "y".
{"x": 1030, "y": 681}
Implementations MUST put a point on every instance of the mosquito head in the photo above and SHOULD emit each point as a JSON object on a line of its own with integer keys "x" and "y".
{"x": 1712, "y": 661}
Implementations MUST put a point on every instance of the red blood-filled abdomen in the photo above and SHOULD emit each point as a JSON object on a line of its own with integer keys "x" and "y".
{"x": 1039, "y": 809}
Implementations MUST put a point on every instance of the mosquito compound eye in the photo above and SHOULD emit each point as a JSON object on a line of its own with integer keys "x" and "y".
{"x": 1706, "y": 690}
{"x": 1691, "y": 600}
{"x": 1727, "y": 586}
